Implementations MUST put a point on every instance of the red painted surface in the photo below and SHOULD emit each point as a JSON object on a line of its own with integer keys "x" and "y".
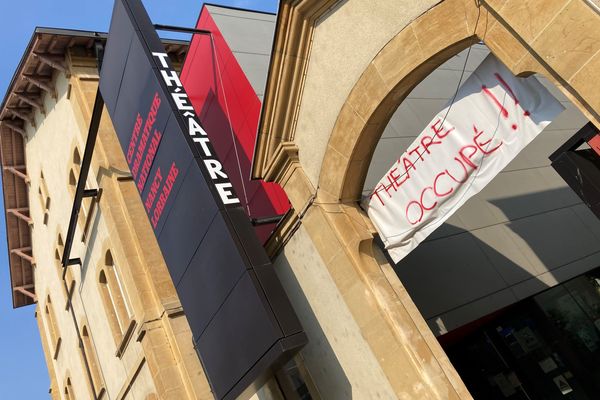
{"x": 594, "y": 143}
{"x": 229, "y": 110}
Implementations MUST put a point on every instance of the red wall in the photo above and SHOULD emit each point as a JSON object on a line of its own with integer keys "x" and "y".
{"x": 227, "y": 106}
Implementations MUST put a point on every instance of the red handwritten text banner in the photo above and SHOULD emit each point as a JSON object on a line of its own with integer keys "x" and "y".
{"x": 494, "y": 116}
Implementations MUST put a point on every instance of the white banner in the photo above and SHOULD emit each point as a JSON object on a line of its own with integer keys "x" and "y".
{"x": 494, "y": 116}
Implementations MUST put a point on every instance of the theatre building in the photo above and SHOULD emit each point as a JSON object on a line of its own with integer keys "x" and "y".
{"x": 195, "y": 220}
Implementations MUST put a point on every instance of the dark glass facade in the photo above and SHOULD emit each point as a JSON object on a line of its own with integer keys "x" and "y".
{"x": 544, "y": 347}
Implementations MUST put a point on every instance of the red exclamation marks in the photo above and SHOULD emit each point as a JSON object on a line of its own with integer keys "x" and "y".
{"x": 507, "y": 87}
{"x": 503, "y": 110}
{"x": 512, "y": 94}
{"x": 492, "y": 96}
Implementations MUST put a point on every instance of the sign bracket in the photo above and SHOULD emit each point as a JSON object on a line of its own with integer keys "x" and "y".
{"x": 181, "y": 29}
{"x": 267, "y": 220}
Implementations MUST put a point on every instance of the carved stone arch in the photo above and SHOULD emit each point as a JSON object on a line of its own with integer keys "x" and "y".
{"x": 422, "y": 46}
{"x": 562, "y": 42}
{"x": 398, "y": 67}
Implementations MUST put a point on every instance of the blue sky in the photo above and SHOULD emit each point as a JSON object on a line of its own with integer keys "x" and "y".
{"x": 23, "y": 372}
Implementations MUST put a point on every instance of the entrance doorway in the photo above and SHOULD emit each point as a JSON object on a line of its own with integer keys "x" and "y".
{"x": 544, "y": 347}
{"x": 498, "y": 283}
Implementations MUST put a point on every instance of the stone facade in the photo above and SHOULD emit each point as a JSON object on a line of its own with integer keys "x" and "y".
{"x": 336, "y": 77}
{"x": 147, "y": 353}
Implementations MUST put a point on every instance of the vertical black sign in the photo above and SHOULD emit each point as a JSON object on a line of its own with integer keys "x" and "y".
{"x": 242, "y": 322}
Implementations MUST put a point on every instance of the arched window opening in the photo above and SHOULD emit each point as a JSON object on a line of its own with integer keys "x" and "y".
{"x": 72, "y": 180}
{"x": 87, "y": 203}
{"x": 76, "y": 159}
{"x": 44, "y": 198}
{"x": 53, "y": 333}
{"x": 115, "y": 301}
{"x": 69, "y": 286}
{"x": 58, "y": 253}
{"x": 54, "y": 389}
{"x": 74, "y": 170}
{"x": 125, "y": 310}
{"x": 69, "y": 395}
{"x": 57, "y": 259}
{"x": 69, "y": 289}
{"x": 109, "y": 307}
{"x": 92, "y": 360}
{"x": 499, "y": 264}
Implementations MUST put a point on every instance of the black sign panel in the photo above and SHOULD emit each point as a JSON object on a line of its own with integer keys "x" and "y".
{"x": 242, "y": 322}
{"x": 579, "y": 165}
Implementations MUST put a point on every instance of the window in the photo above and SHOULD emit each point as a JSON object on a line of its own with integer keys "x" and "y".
{"x": 74, "y": 171}
{"x": 69, "y": 278}
{"x": 77, "y": 160}
{"x": 87, "y": 203}
{"x": 57, "y": 262}
{"x": 115, "y": 302}
{"x": 69, "y": 286}
{"x": 39, "y": 316}
{"x": 69, "y": 395}
{"x": 44, "y": 198}
{"x": 52, "y": 327}
{"x": 58, "y": 253}
{"x": 72, "y": 181}
{"x": 92, "y": 361}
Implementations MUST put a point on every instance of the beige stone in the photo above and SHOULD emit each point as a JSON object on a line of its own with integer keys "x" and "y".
{"x": 392, "y": 63}
{"x": 443, "y": 24}
{"x": 361, "y": 96}
{"x": 368, "y": 93}
{"x": 121, "y": 225}
{"x": 570, "y": 40}
{"x": 529, "y": 18}
{"x": 583, "y": 80}
{"x": 333, "y": 166}
{"x": 505, "y": 46}
{"x": 348, "y": 122}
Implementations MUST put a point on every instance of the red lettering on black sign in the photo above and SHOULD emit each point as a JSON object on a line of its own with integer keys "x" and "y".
{"x": 164, "y": 195}
{"x": 134, "y": 138}
{"x": 153, "y": 190}
{"x": 149, "y": 158}
{"x": 141, "y": 147}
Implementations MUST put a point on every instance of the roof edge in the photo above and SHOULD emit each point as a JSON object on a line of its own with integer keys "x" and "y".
{"x": 238, "y": 8}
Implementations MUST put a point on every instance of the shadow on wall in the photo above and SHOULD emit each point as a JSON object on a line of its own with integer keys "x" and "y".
{"x": 459, "y": 275}
{"x": 563, "y": 239}
{"x": 319, "y": 357}
{"x": 103, "y": 174}
{"x": 257, "y": 197}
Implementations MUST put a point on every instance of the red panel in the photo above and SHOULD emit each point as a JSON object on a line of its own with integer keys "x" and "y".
{"x": 594, "y": 143}
{"x": 229, "y": 110}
